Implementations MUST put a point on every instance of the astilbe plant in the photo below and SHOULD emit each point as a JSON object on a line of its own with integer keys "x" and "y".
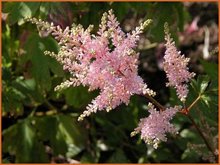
{"x": 175, "y": 66}
{"x": 108, "y": 62}
{"x": 157, "y": 124}
{"x": 153, "y": 128}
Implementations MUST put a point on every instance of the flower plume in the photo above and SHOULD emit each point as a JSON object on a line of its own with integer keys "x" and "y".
{"x": 106, "y": 61}
{"x": 175, "y": 66}
{"x": 153, "y": 128}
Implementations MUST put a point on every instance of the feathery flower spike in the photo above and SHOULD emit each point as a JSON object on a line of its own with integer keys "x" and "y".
{"x": 153, "y": 128}
{"x": 106, "y": 61}
{"x": 175, "y": 66}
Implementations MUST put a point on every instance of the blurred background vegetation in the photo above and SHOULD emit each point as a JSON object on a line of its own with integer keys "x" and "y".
{"x": 40, "y": 125}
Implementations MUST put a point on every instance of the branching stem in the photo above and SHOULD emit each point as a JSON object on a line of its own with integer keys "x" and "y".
{"x": 155, "y": 102}
{"x": 194, "y": 102}
{"x": 185, "y": 111}
{"x": 202, "y": 135}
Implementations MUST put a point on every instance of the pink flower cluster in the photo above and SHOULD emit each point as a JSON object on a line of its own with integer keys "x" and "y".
{"x": 106, "y": 61}
{"x": 175, "y": 66}
{"x": 153, "y": 129}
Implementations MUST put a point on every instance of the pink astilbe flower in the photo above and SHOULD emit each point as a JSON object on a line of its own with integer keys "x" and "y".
{"x": 106, "y": 61}
{"x": 175, "y": 66}
{"x": 153, "y": 128}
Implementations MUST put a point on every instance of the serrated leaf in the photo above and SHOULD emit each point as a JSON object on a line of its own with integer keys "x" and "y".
{"x": 207, "y": 89}
{"x": 200, "y": 84}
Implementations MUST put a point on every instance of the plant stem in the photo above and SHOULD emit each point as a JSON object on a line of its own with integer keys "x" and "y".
{"x": 194, "y": 102}
{"x": 155, "y": 102}
{"x": 202, "y": 135}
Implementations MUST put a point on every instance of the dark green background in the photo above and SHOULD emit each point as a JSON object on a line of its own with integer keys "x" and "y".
{"x": 40, "y": 125}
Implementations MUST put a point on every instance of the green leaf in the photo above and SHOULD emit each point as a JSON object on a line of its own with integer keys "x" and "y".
{"x": 45, "y": 8}
{"x": 19, "y": 10}
{"x": 180, "y": 12}
{"x": 207, "y": 89}
{"x": 186, "y": 133}
{"x": 161, "y": 13}
{"x": 200, "y": 85}
{"x": 78, "y": 96}
{"x": 120, "y": 9}
{"x": 72, "y": 133}
{"x": 29, "y": 88}
{"x": 204, "y": 84}
{"x": 93, "y": 14}
{"x": 39, "y": 69}
{"x": 12, "y": 101}
{"x": 206, "y": 99}
{"x": 42, "y": 64}
{"x": 6, "y": 39}
{"x": 65, "y": 137}
{"x": 189, "y": 156}
{"x": 21, "y": 140}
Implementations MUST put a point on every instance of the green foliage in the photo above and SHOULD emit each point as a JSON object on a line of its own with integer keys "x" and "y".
{"x": 204, "y": 112}
{"x": 19, "y": 11}
{"x": 41, "y": 64}
{"x": 21, "y": 140}
{"x": 27, "y": 138}
{"x": 77, "y": 98}
{"x": 161, "y": 13}
{"x": 39, "y": 125}
{"x": 62, "y": 132}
